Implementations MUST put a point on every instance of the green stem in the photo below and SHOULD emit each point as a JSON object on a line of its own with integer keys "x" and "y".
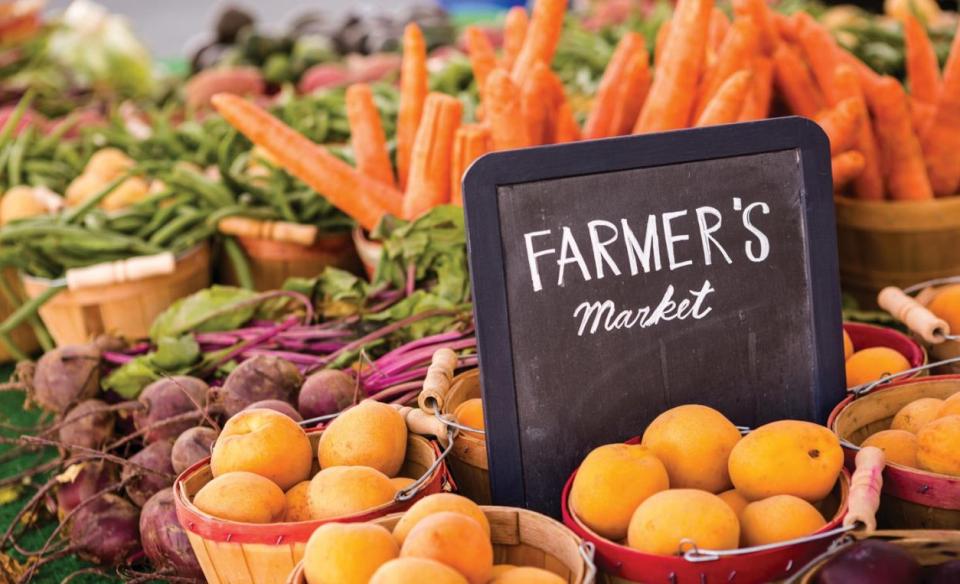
{"x": 15, "y": 117}
{"x": 28, "y": 308}
{"x": 39, "y": 331}
{"x": 238, "y": 259}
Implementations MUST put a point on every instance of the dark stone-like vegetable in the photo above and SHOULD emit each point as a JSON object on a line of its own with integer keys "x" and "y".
{"x": 277, "y": 406}
{"x": 167, "y": 398}
{"x": 87, "y": 425}
{"x": 871, "y": 561}
{"x": 326, "y": 392}
{"x": 191, "y": 447}
{"x": 66, "y": 375}
{"x": 91, "y": 477}
{"x": 143, "y": 484}
{"x": 259, "y": 378}
{"x": 164, "y": 541}
{"x": 106, "y": 530}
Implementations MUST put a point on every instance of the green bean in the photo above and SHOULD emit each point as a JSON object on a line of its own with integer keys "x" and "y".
{"x": 14, "y": 120}
{"x": 239, "y": 262}
{"x": 48, "y": 167}
{"x": 174, "y": 227}
{"x": 197, "y": 234}
{"x": 17, "y": 150}
{"x": 161, "y": 217}
{"x": 39, "y": 331}
{"x": 48, "y": 144}
{"x": 244, "y": 211}
{"x": 85, "y": 207}
{"x": 28, "y": 308}
{"x": 214, "y": 193}
{"x": 128, "y": 223}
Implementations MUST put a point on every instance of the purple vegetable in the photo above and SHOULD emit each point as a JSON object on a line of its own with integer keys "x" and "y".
{"x": 191, "y": 447}
{"x": 89, "y": 424}
{"x": 164, "y": 541}
{"x": 106, "y": 530}
{"x": 326, "y": 392}
{"x": 93, "y": 477}
{"x": 66, "y": 375}
{"x": 143, "y": 484}
{"x": 277, "y": 406}
{"x": 259, "y": 378}
{"x": 169, "y": 398}
{"x": 871, "y": 561}
{"x": 946, "y": 573}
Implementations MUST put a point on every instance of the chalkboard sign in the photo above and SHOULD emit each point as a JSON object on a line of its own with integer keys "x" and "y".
{"x": 614, "y": 279}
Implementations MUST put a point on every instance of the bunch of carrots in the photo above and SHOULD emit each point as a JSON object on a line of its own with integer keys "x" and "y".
{"x": 707, "y": 69}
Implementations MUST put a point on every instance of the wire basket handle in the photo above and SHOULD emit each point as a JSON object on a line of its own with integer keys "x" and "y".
{"x": 436, "y": 385}
{"x": 914, "y": 315}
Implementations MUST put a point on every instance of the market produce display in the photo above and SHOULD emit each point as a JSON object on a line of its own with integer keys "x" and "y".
{"x": 288, "y": 410}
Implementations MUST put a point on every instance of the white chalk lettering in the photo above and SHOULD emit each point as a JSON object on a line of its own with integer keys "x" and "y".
{"x": 600, "y": 254}
{"x": 762, "y": 242}
{"x": 650, "y": 247}
{"x": 707, "y": 231}
{"x": 604, "y": 315}
{"x": 670, "y": 239}
{"x": 570, "y": 254}
{"x": 533, "y": 255}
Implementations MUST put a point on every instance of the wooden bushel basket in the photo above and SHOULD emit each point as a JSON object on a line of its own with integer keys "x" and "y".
{"x": 942, "y": 343}
{"x": 468, "y": 461}
{"x": 522, "y": 538}
{"x": 928, "y": 547}
{"x": 887, "y": 243}
{"x": 125, "y": 308}
{"x": 619, "y": 564}
{"x": 865, "y": 336}
{"x": 912, "y": 498}
{"x": 272, "y": 262}
{"x": 22, "y": 337}
{"x": 234, "y": 553}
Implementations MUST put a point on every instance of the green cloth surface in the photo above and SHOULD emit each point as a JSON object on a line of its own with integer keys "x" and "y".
{"x": 12, "y": 413}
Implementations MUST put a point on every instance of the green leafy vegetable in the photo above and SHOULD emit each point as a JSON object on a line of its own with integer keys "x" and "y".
{"x": 216, "y": 308}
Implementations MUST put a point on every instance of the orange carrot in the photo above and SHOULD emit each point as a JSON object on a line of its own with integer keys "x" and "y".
{"x": 366, "y": 134}
{"x": 471, "y": 142}
{"x": 364, "y": 199}
{"x": 795, "y": 83}
{"x": 842, "y": 124}
{"x": 923, "y": 69}
{"x": 941, "y": 143}
{"x": 537, "y": 103}
{"x": 846, "y": 167}
{"x": 869, "y": 184}
{"x": 429, "y": 183}
{"x": 738, "y": 49}
{"x": 608, "y": 97}
{"x": 921, "y": 114}
{"x": 508, "y": 129}
{"x": 822, "y": 53}
{"x": 902, "y": 157}
{"x": 868, "y": 78}
{"x": 413, "y": 92}
{"x": 719, "y": 26}
{"x": 482, "y": 58}
{"x": 540, "y": 42}
{"x": 763, "y": 18}
{"x": 567, "y": 129}
{"x": 757, "y": 106}
{"x": 785, "y": 27}
{"x": 514, "y": 32}
{"x": 633, "y": 93}
{"x": 660, "y": 43}
{"x": 671, "y": 100}
{"x": 727, "y": 102}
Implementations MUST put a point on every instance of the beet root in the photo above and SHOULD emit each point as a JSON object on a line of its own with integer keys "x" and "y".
{"x": 259, "y": 378}
{"x": 164, "y": 541}
{"x": 89, "y": 424}
{"x": 326, "y": 392}
{"x": 142, "y": 484}
{"x": 165, "y": 398}
{"x": 66, "y": 375}
{"x": 277, "y": 406}
{"x": 105, "y": 530}
{"x": 191, "y": 447}
{"x": 82, "y": 481}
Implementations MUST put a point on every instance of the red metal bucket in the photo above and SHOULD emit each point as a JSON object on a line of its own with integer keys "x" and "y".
{"x": 622, "y": 564}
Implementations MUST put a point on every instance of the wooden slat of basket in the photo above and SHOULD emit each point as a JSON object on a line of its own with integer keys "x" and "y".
{"x": 229, "y": 562}
{"x": 269, "y": 564}
{"x": 203, "y": 557}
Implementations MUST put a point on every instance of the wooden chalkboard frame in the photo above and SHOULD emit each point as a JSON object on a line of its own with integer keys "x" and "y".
{"x": 487, "y": 174}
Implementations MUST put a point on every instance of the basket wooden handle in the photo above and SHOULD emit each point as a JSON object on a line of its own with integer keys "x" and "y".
{"x": 420, "y": 422}
{"x": 865, "y": 489}
{"x": 917, "y": 317}
{"x": 438, "y": 380}
{"x": 305, "y": 235}
{"x": 127, "y": 270}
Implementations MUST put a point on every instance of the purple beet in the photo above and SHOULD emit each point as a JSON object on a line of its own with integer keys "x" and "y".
{"x": 86, "y": 480}
{"x": 191, "y": 447}
{"x": 259, "y": 378}
{"x": 871, "y": 561}
{"x": 164, "y": 541}
{"x": 66, "y": 375}
{"x": 948, "y": 573}
{"x": 143, "y": 484}
{"x": 87, "y": 425}
{"x": 326, "y": 392}
{"x": 167, "y": 398}
{"x": 106, "y": 530}
{"x": 277, "y": 406}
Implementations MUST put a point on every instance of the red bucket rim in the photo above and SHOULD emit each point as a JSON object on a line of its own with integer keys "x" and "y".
{"x": 871, "y": 335}
{"x": 909, "y": 484}
{"x": 635, "y": 565}
{"x": 220, "y": 530}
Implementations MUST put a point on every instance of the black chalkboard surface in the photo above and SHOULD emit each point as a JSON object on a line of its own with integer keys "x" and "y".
{"x": 614, "y": 279}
